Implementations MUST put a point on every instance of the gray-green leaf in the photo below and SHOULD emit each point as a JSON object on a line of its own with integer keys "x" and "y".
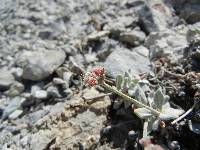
{"x": 143, "y": 113}
{"x": 119, "y": 80}
{"x": 159, "y": 98}
{"x": 140, "y": 95}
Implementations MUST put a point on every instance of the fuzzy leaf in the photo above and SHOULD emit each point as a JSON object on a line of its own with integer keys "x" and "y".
{"x": 151, "y": 121}
{"x": 172, "y": 111}
{"x": 140, "y": 95}
{"x": 143, "y": 113}
{"x": 119, "y": 80}
{"x": 159, "y": 98}
{"x": 164, "y": 116}
{"x": 194, "y": 127}
{"x": 126, "y": 82}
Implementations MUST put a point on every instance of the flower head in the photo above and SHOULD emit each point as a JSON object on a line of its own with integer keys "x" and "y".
{"x": 93, "y": 78}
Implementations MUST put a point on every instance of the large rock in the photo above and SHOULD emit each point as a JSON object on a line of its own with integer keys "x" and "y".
{"x": 167, "y": 43}
{"x": 188, "y": 9}
{"x": 38, "y": 65}
{"x": 155, "y": 16}
{"x": 122, "y": 60}
{"x": 6, "y": 79}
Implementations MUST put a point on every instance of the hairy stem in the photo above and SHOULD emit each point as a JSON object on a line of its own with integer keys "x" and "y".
{"x": 130, "y": 99}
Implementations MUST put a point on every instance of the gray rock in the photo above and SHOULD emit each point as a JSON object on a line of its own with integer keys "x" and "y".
{"x": 6, "y": 79}
{"x": 155, "y": 16}
{"x": 15, "y": 89}
{"x": 168, "y": 43}
{"x": 58, "y": 81}
{"x": 122, "y": 60}
{"x": 53, "y": 91}
{"x": 17, "y": 72}
{"x": 40, "y": 140}
{"x": 40, "y": 94}
{"x": 190, "y": 12}
{"x": 34, "y": 117}
{"x": 133, "y": 38}
{"x": 193, "y": 32}
{"x": 15, "y": 114}
{"x": 13, "y": 105}
{"x": 38, "y": 65}
{"x": 141, "y": 50}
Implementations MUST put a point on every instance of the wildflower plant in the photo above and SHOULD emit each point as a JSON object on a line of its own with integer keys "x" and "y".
{"x": 153, "y": 107}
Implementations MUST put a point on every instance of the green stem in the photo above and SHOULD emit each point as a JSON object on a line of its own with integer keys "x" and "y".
{"x": 130, "y": 99}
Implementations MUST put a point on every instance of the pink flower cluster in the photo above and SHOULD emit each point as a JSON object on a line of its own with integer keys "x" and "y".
{"x": 92, "y": 78}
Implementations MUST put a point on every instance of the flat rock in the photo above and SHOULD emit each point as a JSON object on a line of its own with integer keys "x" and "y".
{"x": 167, "y": 43}
{"x": 6, "y": 79}
{"x": 122, "y": 60}
{"x": 38, "y": 65}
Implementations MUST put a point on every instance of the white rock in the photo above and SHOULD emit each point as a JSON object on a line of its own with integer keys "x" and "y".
{"x": 40, "y": 94}
{"x": 15, "y": 114}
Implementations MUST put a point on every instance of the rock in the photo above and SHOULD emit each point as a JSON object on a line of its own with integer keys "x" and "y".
{"x": 38, "y": 65}
{"x": 17, "y": 72}
{"x": 155, "y": 16}
{"x": 40, "y": 94}
{"x": 33, "y": 117}
{"x": 190, "y": 12}
{"x": 115, "y": 28}
{"x": 53, "y": 91}
{"x": 13, "y": 105}
{"x": 141, "y": 50}
{"x": 193, "y": 32}
{"x": 122, "y": 60}
{"x": 15, "y": 114}
{"x": 6, "y": 79}
{"x": 58, "y": 81}
{"x": 133, "y": 38}
{"x": 41, "y": 139}
{"x": 15, "y": 89}
{"x": 168, "y": 43}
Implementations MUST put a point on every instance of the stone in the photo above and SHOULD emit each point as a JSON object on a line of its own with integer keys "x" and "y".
{"x": 122, "y": 60}
{"x": 6, "y": 79}
{"x": 17, "y": 72}
{"x": 193, "y": 32}
{"x": 38, "y": 65}
{"x": 58, "y": 81}
{"x": 141, "y": 50}
{"x": 13, "y": 105}
{"x": 155, "y": 16}
{"x": 41, "y": 139}
{"x": 53, "y": 91}
{"x": 167, "y": 43}
{"x": 190, "y": 12}
{"x": 133, "y": 38}
{"x": 15, "y": 114}
{"x": 15, "y": 89}
{"x": 40, "y": 94}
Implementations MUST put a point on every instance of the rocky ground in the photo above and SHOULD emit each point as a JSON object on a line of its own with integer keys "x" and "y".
{"x": 46, "y": 46}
